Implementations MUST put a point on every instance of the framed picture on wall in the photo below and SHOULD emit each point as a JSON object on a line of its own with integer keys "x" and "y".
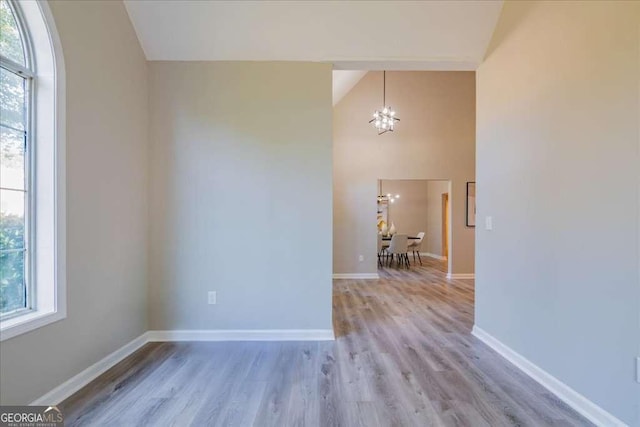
{"x": 471, "y": 204}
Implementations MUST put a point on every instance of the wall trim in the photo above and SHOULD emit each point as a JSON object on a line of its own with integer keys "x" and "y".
{"x": 80, "y": 380}
{"x": 356, "y": 276}
{"x": 581, "y": 404}
{"x": 75, "y": 383}
{"x": 461, "y": 276}
{"x": 436, "y": 256}
{"x": 242, "y": 335}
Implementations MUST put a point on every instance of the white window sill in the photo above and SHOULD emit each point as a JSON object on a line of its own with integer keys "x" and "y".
{"x": 28, "y": 322}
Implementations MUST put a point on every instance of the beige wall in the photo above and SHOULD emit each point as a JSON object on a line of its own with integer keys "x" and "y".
{"x": 240, "y": 195}
{"x": 106, "y": 166}
{"x": 418, "y": 209}
{"x": 557, "y": 279}
{"x": 409, "y": 213}
{"x": 435, "y": 139}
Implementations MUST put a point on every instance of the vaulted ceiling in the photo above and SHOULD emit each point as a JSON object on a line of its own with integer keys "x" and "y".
{"x": 359, "y": 34}
{"x": 344, "y": 81}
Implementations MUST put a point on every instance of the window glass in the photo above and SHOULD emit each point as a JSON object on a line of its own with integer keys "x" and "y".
{"x": 12, "y": 159}
{"x": 14, "y": 180}
{"x": 13, "y": 289}
{"x": 11, "y": 45}
{"x": 12, "y": 99}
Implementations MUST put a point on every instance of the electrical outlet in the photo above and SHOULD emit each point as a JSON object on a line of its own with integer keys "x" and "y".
{"x": 212, "y": 299}
{"x": 361, "y": 258}
{"x": 638, "y": 369}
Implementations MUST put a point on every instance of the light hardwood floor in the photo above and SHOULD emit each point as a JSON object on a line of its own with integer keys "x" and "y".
{"x": 404, "y": 356}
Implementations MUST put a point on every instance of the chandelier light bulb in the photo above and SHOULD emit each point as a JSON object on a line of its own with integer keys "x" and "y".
{"x": 390, "y": 198}
{"x": 384, "y": 120}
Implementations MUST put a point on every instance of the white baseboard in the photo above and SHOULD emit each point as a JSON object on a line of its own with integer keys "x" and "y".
{"x": 75, "y": 383}
{"x": 80, "y": 380}
{"x": 243, "y": 335}
{"x": 436, "y": 256}
{"x": 581, "y": 404}
{"x": 356, "y": 276}
{"x": 461, "y": 276}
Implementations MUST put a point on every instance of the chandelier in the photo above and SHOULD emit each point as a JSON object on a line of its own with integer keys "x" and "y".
{"x": 389, "y": 197}
{"x": 384, "y": 119}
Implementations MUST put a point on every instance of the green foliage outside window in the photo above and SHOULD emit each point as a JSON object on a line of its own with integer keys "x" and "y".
{"x": 12, "y": 289}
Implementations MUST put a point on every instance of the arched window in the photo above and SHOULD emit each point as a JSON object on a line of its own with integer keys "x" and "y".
{"x": 32, "y": 220}
{"x": 16, "y": 78}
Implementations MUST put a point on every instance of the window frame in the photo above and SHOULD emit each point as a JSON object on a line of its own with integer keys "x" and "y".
{"x": 45, "y": 171}
{"x": 29, "y": 74}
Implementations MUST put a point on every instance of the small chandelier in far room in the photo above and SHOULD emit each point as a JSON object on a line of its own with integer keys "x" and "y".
{"x": 386, "y": 197}
{"x": 385, "y": 118}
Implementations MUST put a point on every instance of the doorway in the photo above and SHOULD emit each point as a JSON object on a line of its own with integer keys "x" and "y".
{"x": 419, "y": 209}
{"x": 445, "y": 225}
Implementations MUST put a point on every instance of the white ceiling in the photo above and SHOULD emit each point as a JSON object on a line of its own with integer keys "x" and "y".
{"x": 360, "y": 34}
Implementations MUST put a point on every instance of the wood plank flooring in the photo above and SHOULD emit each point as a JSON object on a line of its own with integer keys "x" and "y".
{"x": 404, "y": 356}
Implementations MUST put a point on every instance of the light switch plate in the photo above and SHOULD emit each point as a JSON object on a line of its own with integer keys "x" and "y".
{"x": 488, "y": 223}
{"x": 212, "y": 297}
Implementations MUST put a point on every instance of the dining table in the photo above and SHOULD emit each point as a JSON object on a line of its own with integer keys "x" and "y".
{"x": 408, "y": 237}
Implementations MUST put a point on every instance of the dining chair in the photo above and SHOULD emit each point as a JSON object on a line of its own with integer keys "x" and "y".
{"x": 398, "y": 248}
{"x": 416, "y": 246}
{"x": 381, "y": 249}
